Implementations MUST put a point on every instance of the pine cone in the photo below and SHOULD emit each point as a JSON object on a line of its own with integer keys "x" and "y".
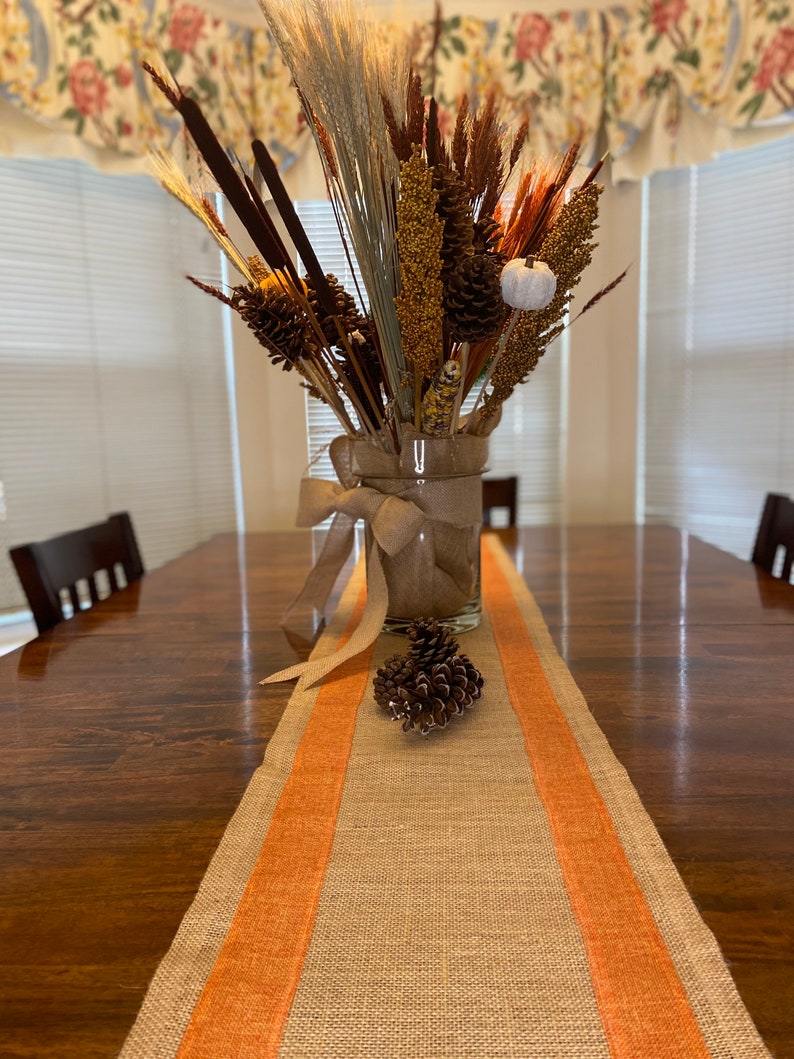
{"x": 367, "y": 359}
{"x": 430, "y": 643}
{"x": 458, "y": 682}
{"x": 487, "y": 235}
{"x": 418, "y": 707}
{"x": 346, "y": 310}
{"x": 431, "y": 684}
{"x": 390, "y": 677}
{"x": 436, "y": 695}
{"x": 358, "y": 329}
{"x": 454, "y": 210}
{"x": 278, "y": 323}
{"x": 473, "y": 300}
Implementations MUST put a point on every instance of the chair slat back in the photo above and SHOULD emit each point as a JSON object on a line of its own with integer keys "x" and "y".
{"x": 499, "y": 493}
{"x": 775, "y": 531}
{"x": 61, "y": 563}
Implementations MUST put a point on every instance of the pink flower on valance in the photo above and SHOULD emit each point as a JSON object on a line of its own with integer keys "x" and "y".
{"x": 187, "y": 24}
{"x": 777, "y": 60}
{"x": 665, "y": 14}
{"x": 532, "y": 36}
{"x": 88, "y": 87}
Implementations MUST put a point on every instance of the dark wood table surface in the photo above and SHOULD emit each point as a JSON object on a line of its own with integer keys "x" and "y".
{"x": 128, "y": 734}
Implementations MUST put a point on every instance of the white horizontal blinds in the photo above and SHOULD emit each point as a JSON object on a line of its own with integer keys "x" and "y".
{"x": 720, "y": 355}
{"x": 526, "y": 442}
{"x": 113, "y": 391}
{"x": 318, "y": 220}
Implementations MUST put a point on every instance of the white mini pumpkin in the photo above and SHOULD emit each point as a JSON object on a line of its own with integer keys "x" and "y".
{"x": 528, "y": 284}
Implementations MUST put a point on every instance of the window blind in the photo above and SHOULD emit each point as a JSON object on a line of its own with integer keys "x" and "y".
{"x": 113, "y": 385}
{"x": 527, "y": 441}
{"x": 719, "y": 357}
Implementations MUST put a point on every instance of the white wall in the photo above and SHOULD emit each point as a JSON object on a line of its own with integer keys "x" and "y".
{"x": 271, "y": 416}
{"x": 601, "y": 465}
{"x": 271, "y": 425}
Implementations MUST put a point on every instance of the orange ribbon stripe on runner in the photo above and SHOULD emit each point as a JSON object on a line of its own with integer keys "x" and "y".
{"x": 247, "y": 997}
{"x": 643, "y": 1005}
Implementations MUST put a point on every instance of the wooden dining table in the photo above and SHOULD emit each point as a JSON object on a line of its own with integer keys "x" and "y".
{"x": 129, "y": 733}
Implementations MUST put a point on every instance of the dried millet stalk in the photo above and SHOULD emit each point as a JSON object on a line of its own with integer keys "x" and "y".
{"x": 419, "y": 236}
{"x": 259, "y": 271}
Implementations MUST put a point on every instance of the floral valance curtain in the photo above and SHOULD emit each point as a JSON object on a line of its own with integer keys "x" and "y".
{"x": 665, "y": 79}
{"x": 76, "y": 65}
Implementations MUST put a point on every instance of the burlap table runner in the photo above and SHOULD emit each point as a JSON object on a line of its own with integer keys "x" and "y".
{"x": 494, "y": 890}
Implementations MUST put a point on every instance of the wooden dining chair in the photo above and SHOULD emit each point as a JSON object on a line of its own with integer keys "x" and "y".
{"x": 499, "y": 493}
{"x": 775, "y": 531}
{"x": 63, "y": 563}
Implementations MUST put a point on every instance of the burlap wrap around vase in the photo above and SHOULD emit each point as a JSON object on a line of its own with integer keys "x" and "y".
{"x": 437, "y": 573}
{"x": 422, "y": 509}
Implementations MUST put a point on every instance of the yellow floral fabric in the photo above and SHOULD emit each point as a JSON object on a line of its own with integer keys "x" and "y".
{"x": 730, "y": 62}
{"x": 547, "y": 68}
{"x": 17, "y": 67}
{"x": 76, "y": 66}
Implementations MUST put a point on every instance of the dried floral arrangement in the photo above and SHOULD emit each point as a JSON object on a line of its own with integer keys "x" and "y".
{"x": 468, "y": 261}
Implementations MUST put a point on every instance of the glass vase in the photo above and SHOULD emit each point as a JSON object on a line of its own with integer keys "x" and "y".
{"x": 437, "y": 574}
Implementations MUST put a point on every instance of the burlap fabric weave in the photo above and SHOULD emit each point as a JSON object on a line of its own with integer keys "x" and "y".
{"x": 495, "y": 890}
{"x": 435, "y": 574}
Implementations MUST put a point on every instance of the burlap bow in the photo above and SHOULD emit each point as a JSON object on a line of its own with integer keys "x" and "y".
{"x": 393, "y": 521}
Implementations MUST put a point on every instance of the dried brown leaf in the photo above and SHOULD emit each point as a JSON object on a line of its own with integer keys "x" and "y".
{"x": 602, "y": 293}
{"x": 460, "y": 138}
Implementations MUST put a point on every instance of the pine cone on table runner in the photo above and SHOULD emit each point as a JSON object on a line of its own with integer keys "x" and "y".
{"x": 434, "y": 696}
{"x": 431, "y": 684}
{"x": 395, "y": 672}
{"x": 430, "y": 643}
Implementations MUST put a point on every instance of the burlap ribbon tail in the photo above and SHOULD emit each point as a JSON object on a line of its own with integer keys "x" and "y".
{"x": 393, "y": 522}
